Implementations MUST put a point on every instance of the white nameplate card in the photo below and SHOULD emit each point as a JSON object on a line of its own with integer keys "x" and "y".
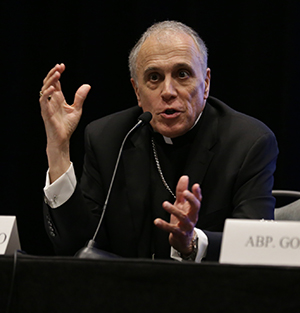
{"x": 261, "y": 242}
{"x": 9, "y": 237}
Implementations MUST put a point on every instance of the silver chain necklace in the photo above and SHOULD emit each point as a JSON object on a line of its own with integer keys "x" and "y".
{"x": 159, "y": 169}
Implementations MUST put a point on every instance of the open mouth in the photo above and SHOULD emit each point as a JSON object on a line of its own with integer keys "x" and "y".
{"x": 170, "y": 111}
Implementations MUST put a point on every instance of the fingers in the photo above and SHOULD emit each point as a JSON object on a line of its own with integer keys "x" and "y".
{"x": 51, "y": 83}
{"x": 185, "y": 211}
{"x": 167, "y": 227}
{"x": 182, "y": 185}
{"x": 182, "y": 189}
{"x": 197, "y": 191}
{"x": 81, "y": 95}
{"x": 186, "y": 220}
{"x": 56, "y": 71}
{"x": 195, "y": 197}
{"x": 172, "y": 209}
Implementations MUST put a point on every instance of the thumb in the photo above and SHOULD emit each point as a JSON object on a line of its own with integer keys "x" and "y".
{"x": 81, "y": 95}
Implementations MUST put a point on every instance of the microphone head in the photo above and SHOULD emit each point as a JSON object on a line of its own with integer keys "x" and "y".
{"x": 145, "y": 117}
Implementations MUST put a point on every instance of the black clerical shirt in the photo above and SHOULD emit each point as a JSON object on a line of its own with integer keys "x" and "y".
{"x": 172, "y": 159}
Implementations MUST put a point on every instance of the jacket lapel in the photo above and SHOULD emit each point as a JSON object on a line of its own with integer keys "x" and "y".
{"x": 201, "y": 153}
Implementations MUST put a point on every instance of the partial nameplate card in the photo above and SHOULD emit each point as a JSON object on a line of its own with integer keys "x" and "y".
{"x": 9, "y": 237}
{"x": 261, "y": 242}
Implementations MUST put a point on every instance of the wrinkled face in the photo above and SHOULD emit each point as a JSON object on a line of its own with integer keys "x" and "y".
{"x": 170, "y": 82}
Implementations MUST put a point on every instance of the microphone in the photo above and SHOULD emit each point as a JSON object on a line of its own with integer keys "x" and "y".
{"x": 91, "y": 251}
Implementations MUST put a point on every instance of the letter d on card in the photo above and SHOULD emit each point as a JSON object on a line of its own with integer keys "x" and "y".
{"x": 9, "y": 237}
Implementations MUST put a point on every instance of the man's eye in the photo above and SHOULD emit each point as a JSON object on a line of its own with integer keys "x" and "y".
{"x": 154, "y": 77}
{"x": 183, "y": 74}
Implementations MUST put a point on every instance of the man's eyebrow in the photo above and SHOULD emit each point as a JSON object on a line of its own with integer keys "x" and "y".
{"x": 151, "y": 69}
{"x": 184, "y": 65}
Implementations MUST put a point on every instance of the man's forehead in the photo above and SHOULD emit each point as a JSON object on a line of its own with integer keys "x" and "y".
{"x": 163, "y": 45}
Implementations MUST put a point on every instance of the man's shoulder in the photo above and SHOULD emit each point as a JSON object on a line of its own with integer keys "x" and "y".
{"x": 232, "y": 119}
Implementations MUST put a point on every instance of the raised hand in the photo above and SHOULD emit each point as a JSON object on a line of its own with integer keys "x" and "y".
{"x": 183, "y": 216}
{"x": 60, "y": 119}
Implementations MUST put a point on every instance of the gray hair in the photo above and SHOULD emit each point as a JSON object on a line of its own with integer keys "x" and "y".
{"x": 164, "y": 26}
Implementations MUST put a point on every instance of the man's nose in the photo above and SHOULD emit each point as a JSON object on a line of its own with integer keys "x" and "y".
{"x": 169, "y": 91}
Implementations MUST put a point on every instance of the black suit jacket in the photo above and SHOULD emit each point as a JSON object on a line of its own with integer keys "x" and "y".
{"x": 233, "y": 159}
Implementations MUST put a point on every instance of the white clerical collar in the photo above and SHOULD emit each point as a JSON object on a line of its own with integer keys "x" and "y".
{"x": 169, "y": 141}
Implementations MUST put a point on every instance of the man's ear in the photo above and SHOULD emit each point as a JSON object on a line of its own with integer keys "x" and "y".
{"x": 207, "y": 83}
{"x": 136, "y": 90}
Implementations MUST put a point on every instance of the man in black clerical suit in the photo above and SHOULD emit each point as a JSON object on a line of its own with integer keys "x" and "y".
{"x": 156, "y": 207}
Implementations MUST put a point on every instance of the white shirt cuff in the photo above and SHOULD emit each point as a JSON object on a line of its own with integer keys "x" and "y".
{"x": 62, "y": 189}
{"x": 202, "y": 247}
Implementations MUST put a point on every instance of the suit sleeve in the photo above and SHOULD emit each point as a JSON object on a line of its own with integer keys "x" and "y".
{"x": 74, "y": 222}
{"x": 252, "y": 193}
{"x": 252, "y": 197}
